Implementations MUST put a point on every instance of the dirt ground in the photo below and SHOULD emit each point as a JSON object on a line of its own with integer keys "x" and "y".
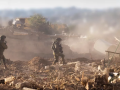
{"x": 39, "y": 74}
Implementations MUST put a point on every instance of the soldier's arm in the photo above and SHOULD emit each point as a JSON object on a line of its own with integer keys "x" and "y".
{"x": 4, "y": 45}
{"x": 52, "y": 46}
{"x": 61, "y": 49}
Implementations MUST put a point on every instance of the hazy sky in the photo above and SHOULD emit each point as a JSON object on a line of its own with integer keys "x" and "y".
{"x": 28, "y": 4}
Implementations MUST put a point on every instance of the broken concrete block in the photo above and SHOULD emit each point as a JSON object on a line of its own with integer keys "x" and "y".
{"x": 46, "y": 67}
{"x": 99, "y": 68}
{"x": 32, "y": 85}
{"x": 9, "y": 79}
{"x": 25, "y": 88}
{"x": 77, "y": 66}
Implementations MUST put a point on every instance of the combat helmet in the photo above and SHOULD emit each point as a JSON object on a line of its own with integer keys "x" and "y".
{"x": 3, "y": 36}
{"x": 58, "y": 39}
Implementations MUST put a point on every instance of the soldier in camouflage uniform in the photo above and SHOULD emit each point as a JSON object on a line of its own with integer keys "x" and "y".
{"x": 3, "y": 46}
{"x": 57, "y": 51}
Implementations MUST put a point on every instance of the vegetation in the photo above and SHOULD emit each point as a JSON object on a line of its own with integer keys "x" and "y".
{"x": 39, "y": 23}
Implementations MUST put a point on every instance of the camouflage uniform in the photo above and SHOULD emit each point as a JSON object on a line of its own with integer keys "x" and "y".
{"x": 57, "y": 51}
{"x": 3, "y": 46}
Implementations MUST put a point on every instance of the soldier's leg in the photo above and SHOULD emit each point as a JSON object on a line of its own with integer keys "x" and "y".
{"x": 55, "y": 58}
{"x": 4, "y": 62}
{"x": 62, "y": 56}
{"x": 1, "y": 59}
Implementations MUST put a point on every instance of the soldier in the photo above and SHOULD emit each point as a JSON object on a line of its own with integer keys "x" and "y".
{"x": 57, "y": 51}
{"x": 3, "y": 46}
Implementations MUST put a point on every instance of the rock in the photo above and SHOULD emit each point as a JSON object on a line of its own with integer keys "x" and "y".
{"x": 25, "y": 88}
{"x": 94, "y": 64}
{"x": 9, "y": 79}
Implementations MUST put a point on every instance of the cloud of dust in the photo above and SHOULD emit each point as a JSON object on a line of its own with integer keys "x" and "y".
{"x": 4, "y": 21}
{"x": 97, "y": 37}
{"x": 78, "y": 45}
{"x": 25, "y": 49}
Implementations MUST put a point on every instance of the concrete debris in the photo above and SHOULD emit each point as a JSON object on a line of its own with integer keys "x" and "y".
{"x": 6, "y": 87}
{"x": 26, "y": 84}
{"x": 38, "y": 60}
{"x": 25, "y": 88}
{"x": 78, "y": 75}
{"x": 38, "y": 63}
{"x": 9, "y": 79}
{"x": 77, "y": 66}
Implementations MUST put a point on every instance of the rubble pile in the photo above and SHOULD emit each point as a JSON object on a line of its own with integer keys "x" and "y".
{"x": 37, "y": 63}
{"x": 38, "y": 60}
{"x": 6, "y": 87}
{"x": 77, "y": 75}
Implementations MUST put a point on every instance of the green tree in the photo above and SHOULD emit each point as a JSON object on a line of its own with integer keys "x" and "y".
{"x": 39, "y": 23}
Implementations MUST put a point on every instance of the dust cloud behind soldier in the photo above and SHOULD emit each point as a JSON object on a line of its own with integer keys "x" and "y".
{"x": 3, "y": 46}
{"x": 57, "y": 51}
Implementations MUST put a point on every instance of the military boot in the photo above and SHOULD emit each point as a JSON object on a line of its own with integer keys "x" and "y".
{"x": 54, "y": 62}
{"x": 64, "y": 62}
